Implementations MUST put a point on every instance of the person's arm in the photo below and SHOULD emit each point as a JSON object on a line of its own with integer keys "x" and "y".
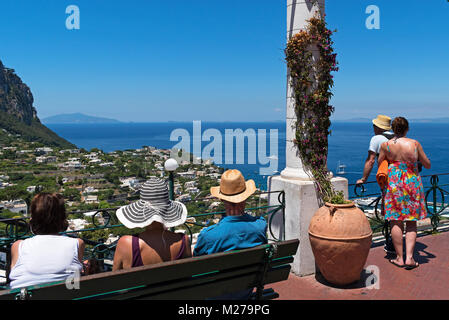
{"x": 15, "y": 252}
{"x": 121, "y": 250}
{"x": 422, "y": 157}
{"x": 369, "y": 164}
{"x": 188, "y": 250}
{"x": 81, "y": 248}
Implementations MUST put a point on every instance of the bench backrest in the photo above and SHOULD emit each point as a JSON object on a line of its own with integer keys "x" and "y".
{"x": 191, "y": 278}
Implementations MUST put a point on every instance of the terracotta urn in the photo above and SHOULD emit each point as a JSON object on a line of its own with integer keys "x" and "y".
{"x": 340, "y": 236}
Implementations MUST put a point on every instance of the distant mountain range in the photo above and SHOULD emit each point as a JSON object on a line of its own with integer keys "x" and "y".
{"x": 77, "y": 118}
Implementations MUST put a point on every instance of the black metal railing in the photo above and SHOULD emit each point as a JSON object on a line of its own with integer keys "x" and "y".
{"x": 435, "y": 198}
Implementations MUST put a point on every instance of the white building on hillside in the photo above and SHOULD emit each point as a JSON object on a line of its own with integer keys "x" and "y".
{"x": 91, "y": 199}
{"x": 77, "y": 224}
{"x": 72, "y": 165}
{"x": 190, "y": 184}
{"x": 44, "y": 150}
{"x": 193, "y": 190}
{"x": 184, "y": 198}
{"x": 188, "y": 174}
{"x": 89, "y": 190}
{"x": 17, "y": 206}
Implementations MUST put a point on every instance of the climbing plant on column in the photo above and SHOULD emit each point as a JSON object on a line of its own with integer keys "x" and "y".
{"x": 311, "y": 83}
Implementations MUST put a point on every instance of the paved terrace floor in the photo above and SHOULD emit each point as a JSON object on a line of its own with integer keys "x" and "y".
{"x": 430, "y": 281}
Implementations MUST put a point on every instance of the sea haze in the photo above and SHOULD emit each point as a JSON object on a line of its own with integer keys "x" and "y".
{"x": 348, "y": 143}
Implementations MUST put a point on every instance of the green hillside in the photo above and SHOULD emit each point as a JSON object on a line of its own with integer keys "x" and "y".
{"x": 18, "y": 116}
{"x": 36, "y": 131}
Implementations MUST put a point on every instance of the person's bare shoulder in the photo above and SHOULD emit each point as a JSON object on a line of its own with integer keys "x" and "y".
{"x": 407, "y": 140}
{"x": 124, "y": 241}
{"x": 122, "y": 252}
{"x": 123, "y": 246}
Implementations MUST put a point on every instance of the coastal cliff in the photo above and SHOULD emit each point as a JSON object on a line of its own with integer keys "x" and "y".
{"x": 19, "y": 116}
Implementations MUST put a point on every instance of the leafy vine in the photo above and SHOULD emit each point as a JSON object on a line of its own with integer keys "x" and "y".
{"x": 311, "y": 81}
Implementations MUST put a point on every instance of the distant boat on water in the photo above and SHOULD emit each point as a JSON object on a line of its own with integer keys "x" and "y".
{"x": 341, "y": 168}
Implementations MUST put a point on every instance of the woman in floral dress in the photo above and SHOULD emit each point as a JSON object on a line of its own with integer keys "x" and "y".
{"x": 404, "y": 197}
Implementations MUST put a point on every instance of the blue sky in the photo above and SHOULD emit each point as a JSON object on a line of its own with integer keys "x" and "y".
{"x": 159, "y": 60}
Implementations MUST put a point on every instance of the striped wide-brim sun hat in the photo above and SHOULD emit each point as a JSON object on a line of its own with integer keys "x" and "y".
{"x": 154, "y": 205}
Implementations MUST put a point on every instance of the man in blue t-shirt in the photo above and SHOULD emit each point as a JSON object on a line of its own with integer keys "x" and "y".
{"x": 237, "y": 229}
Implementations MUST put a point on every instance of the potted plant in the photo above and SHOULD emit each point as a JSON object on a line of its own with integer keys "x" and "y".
{"x": 339, "y": 232}
{"x": 340, "y": 236}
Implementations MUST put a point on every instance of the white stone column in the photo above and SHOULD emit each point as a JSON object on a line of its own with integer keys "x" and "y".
{"x": 298, "y": 12}
{"x": 301, "y": 199}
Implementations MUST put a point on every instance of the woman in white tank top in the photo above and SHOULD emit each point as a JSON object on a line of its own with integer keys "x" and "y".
{"x": 46, "y": 257}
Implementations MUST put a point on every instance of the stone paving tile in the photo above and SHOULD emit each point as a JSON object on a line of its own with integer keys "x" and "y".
{"x": 430, "y": 281}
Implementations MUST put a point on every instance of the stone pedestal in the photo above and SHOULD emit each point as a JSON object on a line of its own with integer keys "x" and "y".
{"x": 301, "y": 204}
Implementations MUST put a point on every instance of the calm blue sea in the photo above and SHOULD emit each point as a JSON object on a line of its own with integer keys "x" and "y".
{"x": 348, "y": 143}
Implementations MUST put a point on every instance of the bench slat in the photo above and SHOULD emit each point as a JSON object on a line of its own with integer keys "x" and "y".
{"x": 220, "y": 287}
{"x": 247, "y": 278}
{"x": 198, "y": 290}
{"x": 286, "y": 248}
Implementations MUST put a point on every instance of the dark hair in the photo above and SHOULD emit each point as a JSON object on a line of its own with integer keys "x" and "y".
{"x": 399, "y": 125}
{"x": 48, "y": 214}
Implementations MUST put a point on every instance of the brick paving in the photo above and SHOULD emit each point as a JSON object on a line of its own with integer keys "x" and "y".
{"x": 430, "y": 281}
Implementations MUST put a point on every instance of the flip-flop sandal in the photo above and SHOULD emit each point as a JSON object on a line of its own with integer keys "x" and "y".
{"x": 410, "y": 267}
{"x": 397, "y": 265}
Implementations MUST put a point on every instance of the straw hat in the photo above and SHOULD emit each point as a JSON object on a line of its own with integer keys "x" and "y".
{"x": 383, "y": 122}
{"x": 154, "y": 205}
{"x": 233, "y": 187}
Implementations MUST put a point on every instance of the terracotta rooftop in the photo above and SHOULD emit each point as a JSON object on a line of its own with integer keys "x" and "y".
{"x": 430, "y": 281}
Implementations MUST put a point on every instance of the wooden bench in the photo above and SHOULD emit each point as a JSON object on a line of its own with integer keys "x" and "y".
{"x": 195, "y": 278}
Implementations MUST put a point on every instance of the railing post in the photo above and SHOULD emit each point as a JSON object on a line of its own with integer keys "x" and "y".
{"x": 100, "y": 259}
{"x": 171, "y": 186}
{"x": 282, "y": 201}
{"x": 435, "y": 218}
{"x": 8, "y": 263}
